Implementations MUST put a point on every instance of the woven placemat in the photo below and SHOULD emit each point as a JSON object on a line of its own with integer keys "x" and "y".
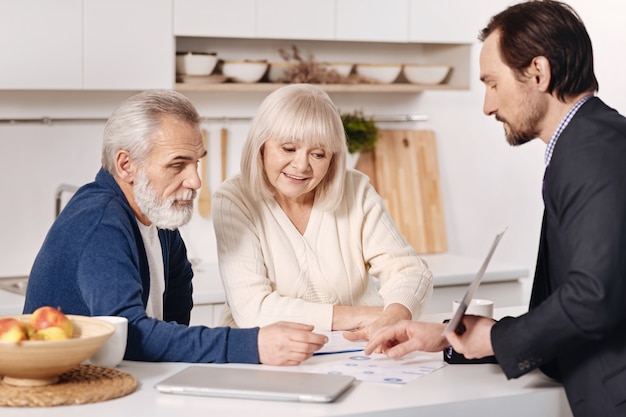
{"x": 81, "y": 385}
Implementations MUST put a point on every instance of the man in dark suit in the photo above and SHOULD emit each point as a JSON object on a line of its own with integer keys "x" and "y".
{"x": 537, "y": 67}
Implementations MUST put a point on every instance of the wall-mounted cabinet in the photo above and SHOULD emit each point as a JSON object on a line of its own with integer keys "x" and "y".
{"x": 128, "y": 44}
{"x": 86, "y": 44}
{"x": 307, "y": 19}
{"x": 41, "y": 44}
{"x": 372, "y": 20}
{"x": 357, "y": 31}
{"x": 442, "y": 21}
{"x": 221, "y": 18}
{"x": 131, "y": 44}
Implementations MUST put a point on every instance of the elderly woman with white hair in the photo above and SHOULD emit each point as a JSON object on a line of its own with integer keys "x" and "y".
{"x": 301, "y": 238}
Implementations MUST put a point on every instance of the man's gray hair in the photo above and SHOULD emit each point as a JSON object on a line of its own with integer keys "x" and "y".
{"x": 132, "y": 125}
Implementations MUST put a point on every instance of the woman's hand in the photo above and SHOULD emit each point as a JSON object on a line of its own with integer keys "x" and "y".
{"x": 354, "y": 317}
{"x": 371, "y": 323}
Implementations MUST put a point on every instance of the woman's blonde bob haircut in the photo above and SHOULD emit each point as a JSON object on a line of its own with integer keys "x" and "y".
{"x": 297, "y": 113}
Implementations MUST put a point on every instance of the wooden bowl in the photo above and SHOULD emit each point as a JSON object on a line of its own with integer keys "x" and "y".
{"x": 36, "y": 362}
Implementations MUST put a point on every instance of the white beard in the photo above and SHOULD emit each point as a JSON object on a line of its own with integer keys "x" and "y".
{"x": 164, "y": 214}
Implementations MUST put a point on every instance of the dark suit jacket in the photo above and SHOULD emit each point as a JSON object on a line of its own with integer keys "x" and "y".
{"x": 575, "y": 330}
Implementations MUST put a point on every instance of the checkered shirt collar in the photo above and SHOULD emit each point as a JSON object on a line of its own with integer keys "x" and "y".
{"x": 562, "y": 126}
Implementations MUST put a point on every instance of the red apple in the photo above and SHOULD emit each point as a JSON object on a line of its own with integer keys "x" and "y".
{"x": 45, "y": 317}
{"x": 12, "y": 330}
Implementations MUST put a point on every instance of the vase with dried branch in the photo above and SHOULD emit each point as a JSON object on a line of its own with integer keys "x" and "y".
{"x": 309, "y": 70}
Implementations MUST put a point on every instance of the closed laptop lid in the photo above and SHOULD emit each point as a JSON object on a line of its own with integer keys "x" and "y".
{"x": 257, "y": 384}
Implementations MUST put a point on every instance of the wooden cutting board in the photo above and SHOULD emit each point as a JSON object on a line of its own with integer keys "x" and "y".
{"x": 407, "y": 178}
{"x": 204, "y": 196}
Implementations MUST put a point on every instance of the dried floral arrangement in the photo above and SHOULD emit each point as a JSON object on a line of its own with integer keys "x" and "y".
{"x": 308, "y": 70}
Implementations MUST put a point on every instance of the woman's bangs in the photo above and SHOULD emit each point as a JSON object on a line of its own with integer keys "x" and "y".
{"x": 313, "y": 129}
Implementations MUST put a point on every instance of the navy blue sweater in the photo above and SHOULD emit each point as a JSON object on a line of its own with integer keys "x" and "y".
{"x": 93, "y": 262}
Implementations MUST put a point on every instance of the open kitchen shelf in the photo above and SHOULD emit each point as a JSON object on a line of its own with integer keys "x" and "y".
{"x": 457, "y": 56}
{"x": 331, "y": 88}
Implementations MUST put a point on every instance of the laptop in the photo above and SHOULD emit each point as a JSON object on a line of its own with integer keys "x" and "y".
{"x": 255, "y": 384}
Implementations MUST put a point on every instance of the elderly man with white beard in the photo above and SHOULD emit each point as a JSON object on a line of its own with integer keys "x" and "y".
{"x": 115, "y": 249}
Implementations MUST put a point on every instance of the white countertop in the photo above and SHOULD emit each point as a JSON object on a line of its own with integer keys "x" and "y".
{"x": 10, "y": 303}
{"x": 450, "y": 269}
{"x": 447, "y": 269}
{"x": 455, "y": 390}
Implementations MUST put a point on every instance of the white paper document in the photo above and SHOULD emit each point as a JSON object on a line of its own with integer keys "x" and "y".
{"x": 379, "y": 368}
{"x": 339, "y": 344}
{"x": 373, "y": 368}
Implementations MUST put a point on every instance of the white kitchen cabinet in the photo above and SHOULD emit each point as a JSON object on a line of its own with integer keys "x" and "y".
{"x": 271, "y": 19}
{"x": 41, "y": 44}
{"x": 128, "y": 44}
{"x": 86, "y": 44}
{"x": 218, "y": 18}
{"x": 442, "y": 21}
{"x": 372, "y": 20}
{"x": 296, "y": 19}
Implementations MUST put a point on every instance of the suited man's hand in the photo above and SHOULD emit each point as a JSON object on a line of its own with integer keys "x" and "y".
{"x": 407, "y": 336}
{"x": 475, "y": 342}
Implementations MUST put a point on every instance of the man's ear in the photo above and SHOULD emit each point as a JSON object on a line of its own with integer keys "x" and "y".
{"x": 125, "y": 168}
{"x": 539, "y": 70}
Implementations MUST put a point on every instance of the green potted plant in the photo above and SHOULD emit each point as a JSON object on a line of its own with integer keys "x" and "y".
{"x": 361, "y": 132}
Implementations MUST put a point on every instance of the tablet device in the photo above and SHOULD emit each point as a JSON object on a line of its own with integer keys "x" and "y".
{"x": 455, "y": 324}
{"x": 256, "y": 384}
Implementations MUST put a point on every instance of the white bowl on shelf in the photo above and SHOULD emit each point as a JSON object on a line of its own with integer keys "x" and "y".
{"x": 425, "y": 74}
{"x": 342, "y": 68}
{"x": 195, "y": 63}
{"x": 381, "y": 73}
{"x": 244, "y": 71}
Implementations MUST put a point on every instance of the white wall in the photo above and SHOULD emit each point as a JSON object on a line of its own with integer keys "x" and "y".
{"x": 487, "y": 185}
